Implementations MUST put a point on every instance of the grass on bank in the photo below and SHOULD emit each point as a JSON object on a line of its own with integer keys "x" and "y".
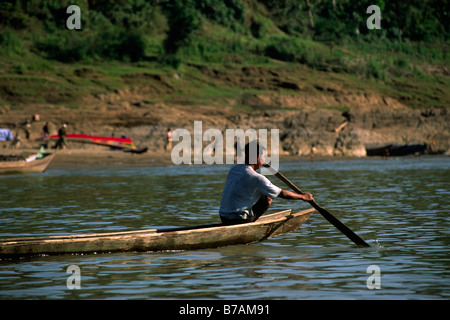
{"x": 414, "y": 73}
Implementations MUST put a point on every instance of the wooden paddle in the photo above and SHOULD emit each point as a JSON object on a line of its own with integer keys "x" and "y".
{"x": 332, "y": 219}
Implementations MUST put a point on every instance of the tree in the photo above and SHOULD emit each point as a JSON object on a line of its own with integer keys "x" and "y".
{"x": 183, "y": 20}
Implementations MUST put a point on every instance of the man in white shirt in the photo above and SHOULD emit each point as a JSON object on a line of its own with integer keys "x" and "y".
{"x": 248, "y": 194}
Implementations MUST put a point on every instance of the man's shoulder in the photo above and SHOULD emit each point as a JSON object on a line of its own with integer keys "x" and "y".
{"x": 243, "y": 171}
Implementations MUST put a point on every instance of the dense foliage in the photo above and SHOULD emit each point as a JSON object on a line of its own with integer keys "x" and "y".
{"x": 158, "y": 29}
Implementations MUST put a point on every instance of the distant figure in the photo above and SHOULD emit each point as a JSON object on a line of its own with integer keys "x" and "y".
{"x": 16, "y": 141}
{"x": 27, "y": 130}
{"x": 62, "y": 141}
{"x": 313, "y": 152}
{"x": 46, "y": 130}
{"x": 41, "y": 152}
{"x": 169, "y": 140}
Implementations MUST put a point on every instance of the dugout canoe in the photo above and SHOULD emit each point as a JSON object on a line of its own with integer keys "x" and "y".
{"x": 189, "y": 238}
{"x": 13, "y": 164}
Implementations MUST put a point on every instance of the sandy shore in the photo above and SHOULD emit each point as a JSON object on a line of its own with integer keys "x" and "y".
{"x": 101, "y": 157}
{"x": 97, "y": 158}
{"x": 79, "y": 158}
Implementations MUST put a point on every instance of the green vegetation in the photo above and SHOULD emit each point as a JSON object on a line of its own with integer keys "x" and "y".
{"x": 43, "y": 61}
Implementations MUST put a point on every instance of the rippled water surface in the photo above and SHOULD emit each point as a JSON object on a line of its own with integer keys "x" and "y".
{"x": 400, "y": 206}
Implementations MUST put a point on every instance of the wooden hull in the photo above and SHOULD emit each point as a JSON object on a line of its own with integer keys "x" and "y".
{"x": 211, "y": 236}
{"x": 14, "y": 167}
{"x": 125, "y": 144}
{"x": 397, "y": 150}
{"x": 114, "y": 142}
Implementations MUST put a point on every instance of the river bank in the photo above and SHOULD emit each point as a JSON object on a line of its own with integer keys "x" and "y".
{"x": 332, "y": 132}
{"x": 337, "y": 115}
{"x": 97, "y": 157}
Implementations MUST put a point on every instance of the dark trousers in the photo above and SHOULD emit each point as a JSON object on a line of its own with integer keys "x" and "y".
{"x": 258, "y": 210}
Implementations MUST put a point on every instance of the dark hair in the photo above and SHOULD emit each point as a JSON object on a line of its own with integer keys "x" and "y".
{"x": 250, "y": 154}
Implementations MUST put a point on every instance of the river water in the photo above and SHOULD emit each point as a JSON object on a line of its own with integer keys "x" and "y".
{"x": 400, "y": 206}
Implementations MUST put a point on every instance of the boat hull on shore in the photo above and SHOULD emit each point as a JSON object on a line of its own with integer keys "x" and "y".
{"x": 201, "y": 237}
{"x": 24, "y": 166}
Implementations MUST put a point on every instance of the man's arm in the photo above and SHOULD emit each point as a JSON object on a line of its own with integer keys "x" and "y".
{"x": 286, "y": 194}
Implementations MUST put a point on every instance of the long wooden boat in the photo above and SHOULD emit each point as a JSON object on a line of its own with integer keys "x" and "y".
{"x": 201, "y": 237}
{"x": 397, "y": 150}
{"x": 32, "y": 164}
{"x": 125, "y": 144}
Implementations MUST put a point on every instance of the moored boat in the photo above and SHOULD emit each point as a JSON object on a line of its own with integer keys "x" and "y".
{"x": 189, "y": 238}
{"x": 397, "y": 150}
{"x": 125, "y": 144}
{"x": 14, "y": 164}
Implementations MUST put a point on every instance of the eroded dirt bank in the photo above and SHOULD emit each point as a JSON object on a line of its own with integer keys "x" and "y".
{"x": 369, "y": 121}
{"x": 335, "y": 114}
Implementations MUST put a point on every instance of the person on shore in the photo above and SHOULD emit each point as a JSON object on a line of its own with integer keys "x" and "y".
{"x": 313, "y": 152}
{"x": 62, "y": 141}
{"x": 46, "y": 130}
{"x": 27, "y": 129}
{"x": 16, "y": 141}
{"x": 169, "y": 140}
{"x": 247, "y": 194}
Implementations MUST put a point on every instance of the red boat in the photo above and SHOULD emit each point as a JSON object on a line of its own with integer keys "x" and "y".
{"x": 113, "y": 142}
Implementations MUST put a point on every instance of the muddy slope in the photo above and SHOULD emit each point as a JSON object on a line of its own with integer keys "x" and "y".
{"x": 339, "y": 118}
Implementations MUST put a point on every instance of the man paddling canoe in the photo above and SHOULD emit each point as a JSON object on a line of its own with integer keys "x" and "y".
{"x": 248, "y": 194}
